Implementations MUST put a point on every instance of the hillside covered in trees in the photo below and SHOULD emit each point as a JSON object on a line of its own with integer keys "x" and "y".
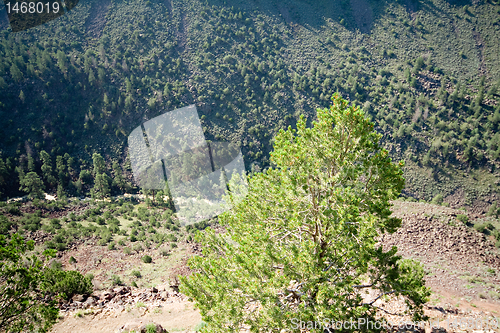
{"x": 426, "y": 72}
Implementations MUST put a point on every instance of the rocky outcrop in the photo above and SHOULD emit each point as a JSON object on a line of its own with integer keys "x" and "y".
{"x": 427, "y": 235}
{"x": 121, "y": 297}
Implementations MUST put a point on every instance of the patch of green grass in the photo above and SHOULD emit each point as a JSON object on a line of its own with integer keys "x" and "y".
{"x": 150, "y": 328}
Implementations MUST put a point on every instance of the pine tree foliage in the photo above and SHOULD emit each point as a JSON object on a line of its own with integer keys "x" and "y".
{"x": 21, "y": 281}
{"x": 33, "y": 185}
{"x": 303, "y": 244}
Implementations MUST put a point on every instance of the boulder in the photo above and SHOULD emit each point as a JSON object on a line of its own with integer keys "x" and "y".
{"x": 79, "y": 298}
{"x": 108, "y": 295}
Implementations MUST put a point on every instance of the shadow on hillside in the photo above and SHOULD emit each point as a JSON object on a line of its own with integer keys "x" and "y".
{"x": 459, "y": 2}
{"x": 355, "y": 15}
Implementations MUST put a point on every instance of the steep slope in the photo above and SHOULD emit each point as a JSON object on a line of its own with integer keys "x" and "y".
{"x": 425, "y": 71}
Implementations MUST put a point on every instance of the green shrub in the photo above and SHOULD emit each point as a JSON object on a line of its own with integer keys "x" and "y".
{"x": 111, "y": 246}
{"x": 463, "y": 218}
{"x": 5, "y": 224}
{"x": 127, "y": 250}
{"x": 105, "y": 238}
{"x": 480, "y": 227}
{"x": 437, "y": 200}
{"x": 493, "y": 210}
{"x": 66, "y": 284}
{"x": 138, "y": 248}
{"x": 146, "y": 259}
{"x": 14, "y": 210}
{"x": 116, "y": 281}
{"x": 151, "y": 328}
{"x": 135, "y": 273}
{"x": 72, "y": 260}
{"x": 55, "y": 223}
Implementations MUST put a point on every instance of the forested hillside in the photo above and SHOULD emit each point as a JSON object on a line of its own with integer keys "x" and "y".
{"x": 427, "y": 72}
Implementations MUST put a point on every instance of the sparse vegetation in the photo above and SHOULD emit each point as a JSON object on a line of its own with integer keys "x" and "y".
{"x": 115, "y": 280}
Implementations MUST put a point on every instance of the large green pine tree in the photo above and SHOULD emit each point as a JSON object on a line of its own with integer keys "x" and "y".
{"x": 47, "y": 168}
{"x": 99, "y": 165}
{"x": 101, "y": 186}
{"x": 303, "y": 244}
{"x": 118, "y": 179}
{"x": 16, "y": 73}
{"x": 33, "y": 185}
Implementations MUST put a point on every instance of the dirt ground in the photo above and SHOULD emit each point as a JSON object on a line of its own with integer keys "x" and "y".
{"x": 174, "y": 317}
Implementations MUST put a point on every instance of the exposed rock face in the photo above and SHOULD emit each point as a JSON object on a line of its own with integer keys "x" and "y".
{"x": 121, "y": 297}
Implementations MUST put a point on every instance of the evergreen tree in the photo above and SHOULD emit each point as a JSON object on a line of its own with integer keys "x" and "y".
{"x": 23, "y": 302}
{"x": 3, "y": 85}
{"x": 101, "y": 74}
{"x": 33, "y": 185}
{"x": 99, "y": 165}
{"x": 128, "y": 102}
{"x": 61, "y": 169}
{"x": 91, "y": 77}
{"x": 118, "y": 179}
{"x": 31, "y": 162}
{"x": 101, "y": 186}
{"x": 303, "y": 245}
{"x": 61, "y": 194}
{"x": 22, "y": 97}
{"x": 85, "y": 177}
{"x": 128, "y": 86}
{"x": 61, "y": 61}
{"x": 69, "y": 162}
{"x": 3, "y": 175}
{"x": 47, "y": 167}
{"x": 30, "y": 288}
{"x": 16, "y": 74}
